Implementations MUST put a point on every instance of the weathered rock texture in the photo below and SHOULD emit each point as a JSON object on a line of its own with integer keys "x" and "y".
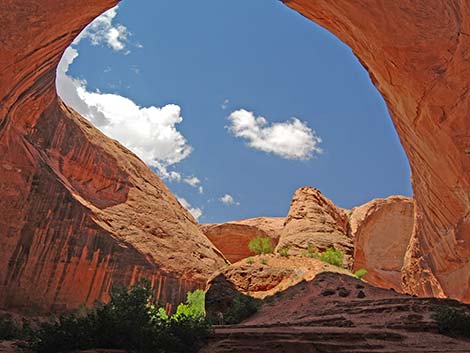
{"x": 381, "y": 230}
{"x": 232, "y": 238}
{"x": 316, "y": 221}
{"x": 417, "y": 53}
{"x": 79, "y": 212}
{"x": 337, "y": 313}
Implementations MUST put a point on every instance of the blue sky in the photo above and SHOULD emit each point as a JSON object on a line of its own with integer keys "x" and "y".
{"x": 211, "y": 58}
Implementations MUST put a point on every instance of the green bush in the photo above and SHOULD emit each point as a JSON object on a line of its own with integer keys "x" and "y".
{"x": 250, "y": 261}
{"x": 333, "y": 257}
{"x": 194, "y": 306}
{"x": 284, "y": 251}
{"x": 360, "y": 273}
{"x": 452, "y": 321}
{"x": 8, "y": 328}
{"x": 243, "y": 306}
{"x": 129, "y": 321}
{"x": 261, "y": 245}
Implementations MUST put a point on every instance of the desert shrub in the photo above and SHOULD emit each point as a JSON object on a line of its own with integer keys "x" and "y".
{"x": 8, "y": 328}
{"x": 264, "y": 261}
{"x": 332, "y": 256}
{"x": 360, "y": 273}
{"x": 129, "y": 321}
{"x": 284, "y": 251}
{"x": 243, "y": 306}
{"x": 452, "y": 321}
{"x": 261, "y": 245}
{"x": 250, "y": 261}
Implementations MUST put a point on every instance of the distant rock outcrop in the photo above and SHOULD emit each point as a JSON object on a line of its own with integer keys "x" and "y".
{"x": 381, "y": 230}
{"x": 232, "y": 238}
{"x": 315, "y": 221}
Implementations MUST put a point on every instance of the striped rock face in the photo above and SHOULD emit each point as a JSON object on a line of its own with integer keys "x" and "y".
{"x": 79, "y": 212}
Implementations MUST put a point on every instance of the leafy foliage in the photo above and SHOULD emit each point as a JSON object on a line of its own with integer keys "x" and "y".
{"x": 243, "y": 306}
{"x": 129, "y": 321}
{"x": 194, "y": 306}
{"x": 284, "y": 251}
{"x": 452, "y": 321}
{"x": 333, "y": 257}
{"x": 330, "y": 255}
{"x": 360, "y": 273}
{"x": 261, "y": 245}
{"x": 8, "y": 328}
{"x": 250, "y": 261}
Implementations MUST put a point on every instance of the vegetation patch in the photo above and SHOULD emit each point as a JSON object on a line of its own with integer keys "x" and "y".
{"x": 243, "y": 306}
{"x": 261, "y": 246}
{"x": 130, "y": 321}
{"x": 452, "y": 321}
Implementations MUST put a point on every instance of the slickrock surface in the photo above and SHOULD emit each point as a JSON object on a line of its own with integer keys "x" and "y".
{"x": 79, "y": 212}
{"x": 276, "y": 274}
{"x": 381, "y": 230}
{"x": 417, "y": 53}
{"x": 232, "y": 238}
{"x": 338, "y": 313}
{"x": 313, "y": 219}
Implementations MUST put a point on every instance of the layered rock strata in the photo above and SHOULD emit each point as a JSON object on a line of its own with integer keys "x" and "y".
{"x": 80, "y": 213}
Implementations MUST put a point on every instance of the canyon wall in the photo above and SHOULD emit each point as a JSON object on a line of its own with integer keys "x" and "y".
{"x": 381, "y": 230}
{"x": 417, "y": 53}
{"x": 68, "y": 192}
{"x": 79, "y": 212}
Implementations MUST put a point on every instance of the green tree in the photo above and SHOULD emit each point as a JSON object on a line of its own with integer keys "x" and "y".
{"x": 261, "y": 245}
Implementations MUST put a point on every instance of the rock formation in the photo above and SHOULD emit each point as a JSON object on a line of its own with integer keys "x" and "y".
{"x": 68, "y": 193}
{"x": 232, "y": 238}
{"x": 417, "y": 53}
{"x": 79, "y": 212}
{"x": 315, "y": 221}
{"x": 381, "y": 230}
{"x": 338, "y": 313}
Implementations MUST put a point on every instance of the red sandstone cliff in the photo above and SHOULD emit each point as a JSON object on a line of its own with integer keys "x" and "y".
{"x": 79, "y": 212}
{"x": 381, "y": 231}
{"x": 417, "y": 53}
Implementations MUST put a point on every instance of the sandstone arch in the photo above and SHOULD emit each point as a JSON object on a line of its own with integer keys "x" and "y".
{"x": 416, "y": 51}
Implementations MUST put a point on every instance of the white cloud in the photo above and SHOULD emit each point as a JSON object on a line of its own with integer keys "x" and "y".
{"x": 196, "y": 212}
{"x": 290, "y": 139}
{"x": 228, "y": 200}
{"x": 193, "y": 181}
{"x": 150, "y": 132}
{"x": 103, "y": 30}
{"x": 200, "y": 189}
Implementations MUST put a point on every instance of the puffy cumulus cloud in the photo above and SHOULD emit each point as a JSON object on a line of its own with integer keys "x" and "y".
{"x": 290, "y": 139}
{"x": 103, "y": 31}
{"x": 150, "y": 132}
{"x": 196, "y": 212}
{"x": 228, "y": 200}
